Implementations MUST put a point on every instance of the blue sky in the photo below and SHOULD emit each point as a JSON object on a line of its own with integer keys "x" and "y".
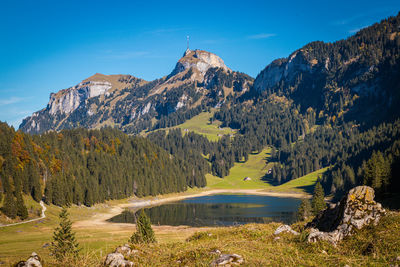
{"x": 46, "y": 46}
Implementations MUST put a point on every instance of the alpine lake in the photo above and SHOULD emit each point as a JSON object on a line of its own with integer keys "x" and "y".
{"x": 217, "y": 210}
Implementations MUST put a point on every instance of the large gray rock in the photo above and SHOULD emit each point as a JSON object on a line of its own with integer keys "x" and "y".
{"x": 228, "y": 260}
{"x": 32, "y": 261}
{"x": 356, "y": 210}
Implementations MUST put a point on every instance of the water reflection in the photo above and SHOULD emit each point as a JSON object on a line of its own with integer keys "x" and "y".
{"x": 218, "y": 210}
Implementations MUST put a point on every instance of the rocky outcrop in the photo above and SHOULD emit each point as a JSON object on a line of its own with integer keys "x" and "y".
{"x": 32, "y": 261}
{"x": 285, "y": 228}
{"x": 228, "y": 260}
{"x": 280, "y": 69}
{"x": 356, "y": 210}
{"x": 200, "y": 60}
{"x": 69, "y": 99}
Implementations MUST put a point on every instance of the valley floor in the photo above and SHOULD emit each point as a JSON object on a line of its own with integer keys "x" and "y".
{"x": 98, "y": 237}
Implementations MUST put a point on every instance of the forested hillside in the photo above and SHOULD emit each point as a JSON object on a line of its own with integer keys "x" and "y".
{"x": 329, "y": 104}
{"x": 356, "y": 79}
{"x": 86, "y": 167}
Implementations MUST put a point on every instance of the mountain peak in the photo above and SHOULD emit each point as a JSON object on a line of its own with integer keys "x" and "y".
{"x": 199, "y": 59}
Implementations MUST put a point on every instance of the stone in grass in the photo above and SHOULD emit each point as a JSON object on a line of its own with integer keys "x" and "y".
{"x": 32, "y": 261}
{"x": 285, "y": 228}
{"x": 117, "y": 260}
{"x": 247, "y": 178}
{"x": 227, "y": 260}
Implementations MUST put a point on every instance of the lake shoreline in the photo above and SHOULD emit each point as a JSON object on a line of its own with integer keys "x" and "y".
{"x": 100, "y": 219}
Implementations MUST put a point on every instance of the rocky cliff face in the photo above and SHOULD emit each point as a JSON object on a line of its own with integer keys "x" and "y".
{"x": 199, "y": 79}
{"x": 200, "y": 61}
{"x": 68, "y": 100}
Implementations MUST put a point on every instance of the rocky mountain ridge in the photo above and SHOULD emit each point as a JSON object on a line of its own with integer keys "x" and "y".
{"x": 199, "y": 79}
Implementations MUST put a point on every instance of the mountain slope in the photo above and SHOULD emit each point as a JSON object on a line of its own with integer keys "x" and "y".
{"x": 353, "y": 79}
{"x": 199, "y": 79}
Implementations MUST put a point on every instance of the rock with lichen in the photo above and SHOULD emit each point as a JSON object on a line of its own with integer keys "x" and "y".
{"x": 356, "y": 210}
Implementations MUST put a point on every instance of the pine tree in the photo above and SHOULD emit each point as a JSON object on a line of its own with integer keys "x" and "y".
{"x": 318, "y": 202}
{"x": 144, "y": 233}
{"x": 9, "y": 205}
{"x": 304, "y": 211}
{"x": 64, "y": 243}
{"x": 22, "y": 211}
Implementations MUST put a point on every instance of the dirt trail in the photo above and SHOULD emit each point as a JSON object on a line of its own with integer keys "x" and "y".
{"x": 42, "y": 216}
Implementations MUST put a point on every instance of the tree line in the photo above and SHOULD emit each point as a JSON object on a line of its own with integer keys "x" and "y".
{"x": 85, "y": 167}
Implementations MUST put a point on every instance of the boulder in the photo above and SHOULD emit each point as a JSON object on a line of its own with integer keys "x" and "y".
{"x": 285, "y": 228}
{"x": 126, "y": 250}
{"x": 117, "y": 260}
{"x": 356, "y": 210}
{"x": 228, "y": 260}
{"x": 247, "y": 179}
{"x": 32, "y": 261}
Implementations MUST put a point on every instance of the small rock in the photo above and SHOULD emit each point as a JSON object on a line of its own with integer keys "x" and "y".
{"x": 216, "y": 251}
{"x": 285, "y": 228}
{"x": 32, "y": 261}
{"x": 398, "y": 258}
{"x": 125, "y": 250}
{"x": 346, "y": 265}
{"x": 117, "y": 260}
{"x": 324, "y": 252}
{"x": 228, "y": 260}
{"x": 277, "y": 238}
{"x": 45, "y": 245}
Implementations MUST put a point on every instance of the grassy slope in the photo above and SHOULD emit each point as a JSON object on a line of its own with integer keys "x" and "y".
{"x": 201, "y": 124}
{"x": 303, "y": 184}
{"x": 257, "y": 245}
{"x": 255, "y": 168}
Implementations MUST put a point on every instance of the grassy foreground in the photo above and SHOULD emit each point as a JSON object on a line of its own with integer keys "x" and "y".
{"x": 372, "y": 246}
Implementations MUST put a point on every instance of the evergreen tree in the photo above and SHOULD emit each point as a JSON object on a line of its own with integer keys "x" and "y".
{"x": 22, "y": 211}
{"x": 9, "y": 205}
{"x": 304, "y": 211}
{"x": 144, "y": 233}
{"x": 64, "y": 243}
{"x": 318, "y": 203}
